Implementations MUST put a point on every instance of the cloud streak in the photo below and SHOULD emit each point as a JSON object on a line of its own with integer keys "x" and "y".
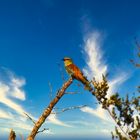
{"x": 53, "y": 119}
{"x": 11, "y": 88}
{"x": 95, "y": 67}
{"x": 11, "y": 91}
{"x": 99, "y": 112}
{"x": 5, "y": 115}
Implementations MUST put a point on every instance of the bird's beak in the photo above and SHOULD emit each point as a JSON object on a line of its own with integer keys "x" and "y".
{"x": 63, "y": 59}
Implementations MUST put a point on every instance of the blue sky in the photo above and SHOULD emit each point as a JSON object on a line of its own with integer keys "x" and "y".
{"x": 34, "y": 37}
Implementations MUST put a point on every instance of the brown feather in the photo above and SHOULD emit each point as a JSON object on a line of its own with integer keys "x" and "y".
{"x": 77, "y": 74}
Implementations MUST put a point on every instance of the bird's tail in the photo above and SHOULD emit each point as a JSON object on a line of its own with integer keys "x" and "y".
{"x": 86, "y": 84}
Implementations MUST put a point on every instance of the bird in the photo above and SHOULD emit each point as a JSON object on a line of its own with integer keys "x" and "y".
{"x": 76, "y": 73}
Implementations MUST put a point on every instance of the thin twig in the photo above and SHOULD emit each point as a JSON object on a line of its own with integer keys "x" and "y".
{"x": 76, "y": 92}
{"x": 34, "y": 123}
{"x": 138, "y": 46}
{"x": 118, "y": 125}
{"x": 45, "y": 129}
{"x": 135, "y": 64}
{"x": 69, "y": 108}
{"x": 29, "y": 117}
{"x": 12, "y": 135}
{"x": 137, "y": 43}
{"x": 48, "y": 110}
{"x": 61, "y": 71}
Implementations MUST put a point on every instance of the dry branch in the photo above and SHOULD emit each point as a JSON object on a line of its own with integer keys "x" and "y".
{"x": 74, "y": 92}
{"x": 12, "y": 135}
{"x": 29, "y": 118}
{"x": 61, "y": 72}
{"x": 43, "y": 130}
{"x": 69, "y": 108}
{"x": 48, "y": 110}
{"x": 34, "y": 123}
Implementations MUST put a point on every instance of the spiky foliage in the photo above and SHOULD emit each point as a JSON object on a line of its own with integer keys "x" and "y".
{"x": 137, "y": 64}
{"x": 125, "y": 111}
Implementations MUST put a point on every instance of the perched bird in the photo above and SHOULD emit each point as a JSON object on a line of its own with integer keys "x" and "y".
{"x": 76, "y": 73}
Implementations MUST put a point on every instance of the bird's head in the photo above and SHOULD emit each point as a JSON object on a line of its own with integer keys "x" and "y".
{"x": 67, "y": 61}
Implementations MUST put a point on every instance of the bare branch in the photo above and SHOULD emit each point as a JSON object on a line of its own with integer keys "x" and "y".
{"x": 138, "y": 46}
{"x": 29, "y": 117}
{"x": 61, "y": 71}
{"x": 12, "y": 135}
{"x": 75, "y": 92}
{"x": 45, "y": 129}
{"x": 48, "y": 110}
{"x": 34, "y": 123}
{"x": 69, "y": 108}
{"x": 137, "y": 43}
{"x": 116, "y": 123}
{"x": 134, "y": 63}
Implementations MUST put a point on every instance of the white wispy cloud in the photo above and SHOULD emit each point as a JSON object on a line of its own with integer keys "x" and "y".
{"x": 10, "y": 90}
{"x": 5, "y": 115}
{"x": 17, "y": 85}
{"x": 114, "y": 83}
{"x": 53, "y": 119}
{"x": 91, "y": 126}
{"x": 5, "y": 91}
{"x": 11, "y": 93}
{"x": 99, "y": 112}
{"x": 96, "y": 66}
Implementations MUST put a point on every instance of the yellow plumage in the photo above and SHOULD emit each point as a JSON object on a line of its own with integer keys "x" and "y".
{"x": 76, "y": 73}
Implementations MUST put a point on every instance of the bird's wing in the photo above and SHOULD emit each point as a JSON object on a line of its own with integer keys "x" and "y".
{"x": 74, "y": 69}
{"x": 69, "y": 70}
{"x": 77, "y": 74}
